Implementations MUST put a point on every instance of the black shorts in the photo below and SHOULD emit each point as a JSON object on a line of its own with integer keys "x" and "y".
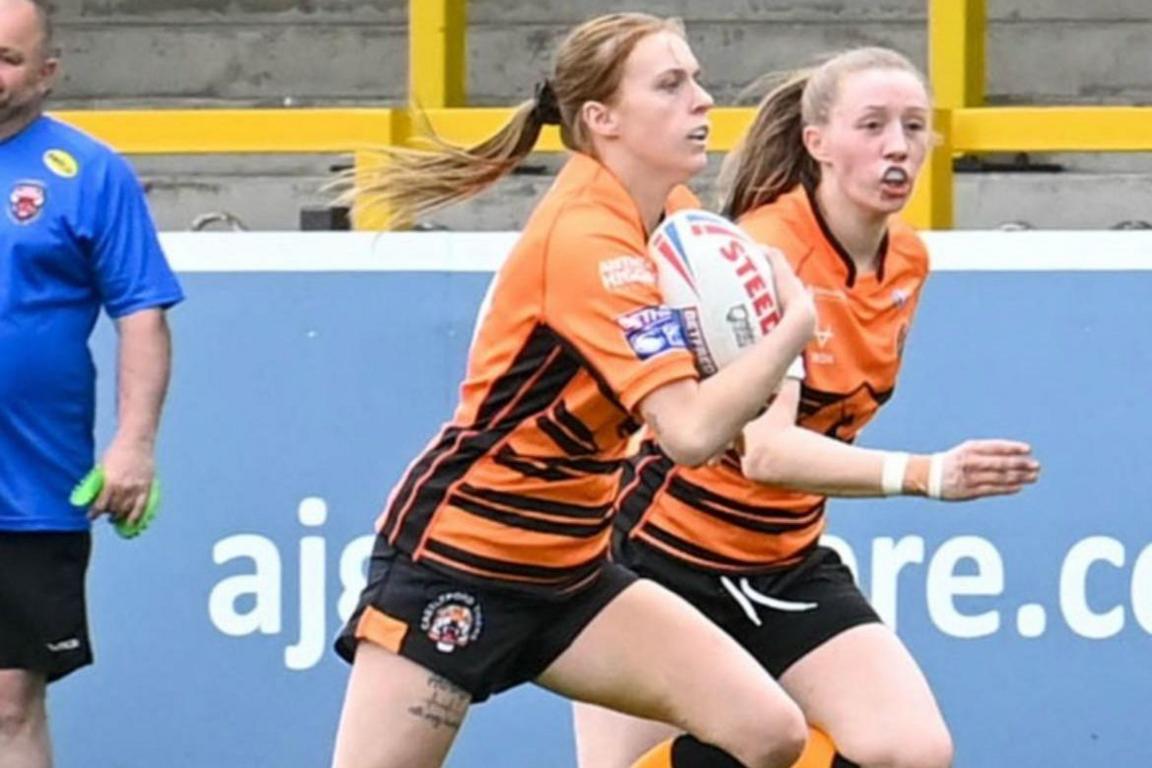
{"x": 43, "y": 618}
{"x": 779, "y": 617}
{"x": 484, "y": 639}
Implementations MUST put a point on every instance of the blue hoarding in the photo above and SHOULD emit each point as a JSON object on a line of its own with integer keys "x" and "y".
{"x": 299, "y": 395}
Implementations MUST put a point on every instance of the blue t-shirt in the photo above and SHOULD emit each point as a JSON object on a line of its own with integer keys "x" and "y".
{"x": 75, "y": 236}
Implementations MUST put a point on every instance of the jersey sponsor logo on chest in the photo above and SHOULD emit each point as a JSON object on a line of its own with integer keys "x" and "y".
{"x": 820, "y": 354}
{"x": 26, "y": 201}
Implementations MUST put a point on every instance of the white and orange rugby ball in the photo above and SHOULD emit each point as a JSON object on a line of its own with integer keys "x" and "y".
{"x": 718, "y": 280}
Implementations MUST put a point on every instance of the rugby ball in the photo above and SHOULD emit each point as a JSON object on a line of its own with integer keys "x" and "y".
{"x": 718, "y": 280}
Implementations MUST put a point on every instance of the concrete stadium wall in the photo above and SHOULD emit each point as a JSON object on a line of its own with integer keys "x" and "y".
{"x": 167, "y": 53}
{"x": 325, "y": 51}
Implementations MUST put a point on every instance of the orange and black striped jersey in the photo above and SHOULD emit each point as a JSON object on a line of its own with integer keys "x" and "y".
{"x": 713, "y": 516}
{"x": 518, "y": 487}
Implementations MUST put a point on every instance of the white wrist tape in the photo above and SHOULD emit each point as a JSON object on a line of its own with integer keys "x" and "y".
{"x": 936, "y": 476}
{"x": 892, "y": 478}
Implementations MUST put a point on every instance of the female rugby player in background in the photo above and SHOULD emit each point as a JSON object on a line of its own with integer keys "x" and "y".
{"x": 824, "y": 169}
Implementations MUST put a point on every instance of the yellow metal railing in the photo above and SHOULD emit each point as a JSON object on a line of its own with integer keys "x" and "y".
{"x": 437, "y": 52}
{"x": 956, "y": 38}
{"x": 437, "y": 84}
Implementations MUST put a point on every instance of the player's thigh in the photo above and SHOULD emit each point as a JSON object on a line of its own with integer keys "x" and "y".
{"x": 865, "y": 690}
{"x": 609, "y": 739}
{"x": 650, "y": 654}
{"x": 397, "y": 713}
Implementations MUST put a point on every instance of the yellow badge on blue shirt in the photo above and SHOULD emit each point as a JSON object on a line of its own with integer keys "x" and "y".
{"x": 61, "y": 163}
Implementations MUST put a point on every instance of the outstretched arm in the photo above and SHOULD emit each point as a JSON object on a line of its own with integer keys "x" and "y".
{"x": 778, "y": 452}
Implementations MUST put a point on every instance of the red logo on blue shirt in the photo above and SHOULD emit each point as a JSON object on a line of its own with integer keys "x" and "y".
{"x": 26, "y": 201}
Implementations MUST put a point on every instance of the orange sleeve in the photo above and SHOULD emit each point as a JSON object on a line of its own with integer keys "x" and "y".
{"x": 600, "y": 295}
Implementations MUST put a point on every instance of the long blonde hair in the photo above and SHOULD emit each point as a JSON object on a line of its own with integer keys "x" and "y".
{"x": 771, "y": 158}
{"x": 589, "y": 66}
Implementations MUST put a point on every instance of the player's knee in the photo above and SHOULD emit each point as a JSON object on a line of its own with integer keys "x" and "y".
{"x": 773, "y": 737}
{"x": 18, "y": 714}
{"x": 930, "y": 748}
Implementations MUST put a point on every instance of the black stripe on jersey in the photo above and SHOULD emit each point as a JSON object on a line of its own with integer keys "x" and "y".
{"x": 559, "y": 575}
{"x": 515, "y": 520}
{"x": 539, "y": 346}
{"x": 576, "y": 427}
{"x": 543, "y": 506}
{"x": 816, "y": 399}
{"x": 691, "y": 493}
{"x": 419, "y": 468}
{"x": 688, "y": 548}
{"x": 813, "y": 401}
{"x": 653, "y": 467}
{"x": 529, "y": 467}
{"x": 568, "y": 432}
{"x": 533, "y": 382}
{"x": 562, "y": 439}
{"x": 630, "y": 425}
{"x": 552, "y": 468}
{"x": 679, "y": 490}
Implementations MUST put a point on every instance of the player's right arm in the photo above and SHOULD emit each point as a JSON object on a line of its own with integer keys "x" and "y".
{"x": 694, "y": 420}
{"x": 603, "y": 318}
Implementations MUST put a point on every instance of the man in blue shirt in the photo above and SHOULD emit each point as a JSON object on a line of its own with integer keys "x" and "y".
{"x": 75, "y": 236}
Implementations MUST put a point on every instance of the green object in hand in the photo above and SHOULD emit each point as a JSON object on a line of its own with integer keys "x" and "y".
{"x": 89, "y": 488}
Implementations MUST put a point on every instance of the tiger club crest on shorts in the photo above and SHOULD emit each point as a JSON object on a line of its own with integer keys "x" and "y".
{"x": 452, "y": 620}
{"x": 26, "y": 201}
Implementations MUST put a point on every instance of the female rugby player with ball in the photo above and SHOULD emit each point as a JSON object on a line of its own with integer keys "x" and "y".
{"x": 828, "y": 162}
{"x": 490, "y": 567}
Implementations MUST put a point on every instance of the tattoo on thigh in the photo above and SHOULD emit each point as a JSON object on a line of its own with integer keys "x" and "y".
{"x": 444, "y": 706}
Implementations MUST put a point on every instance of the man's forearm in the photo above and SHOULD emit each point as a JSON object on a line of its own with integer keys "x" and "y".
{"x": 145, "y": 363}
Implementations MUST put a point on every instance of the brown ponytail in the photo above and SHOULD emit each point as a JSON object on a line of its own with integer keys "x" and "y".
{"x": 770, "y": 158}
{"x": 407, "y": 182}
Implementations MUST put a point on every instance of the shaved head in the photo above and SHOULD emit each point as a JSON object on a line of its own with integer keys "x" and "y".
{"x": 43, "y": 10}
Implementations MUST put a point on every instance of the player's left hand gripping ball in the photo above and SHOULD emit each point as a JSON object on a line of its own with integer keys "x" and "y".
{"x": 89, "y": 489}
